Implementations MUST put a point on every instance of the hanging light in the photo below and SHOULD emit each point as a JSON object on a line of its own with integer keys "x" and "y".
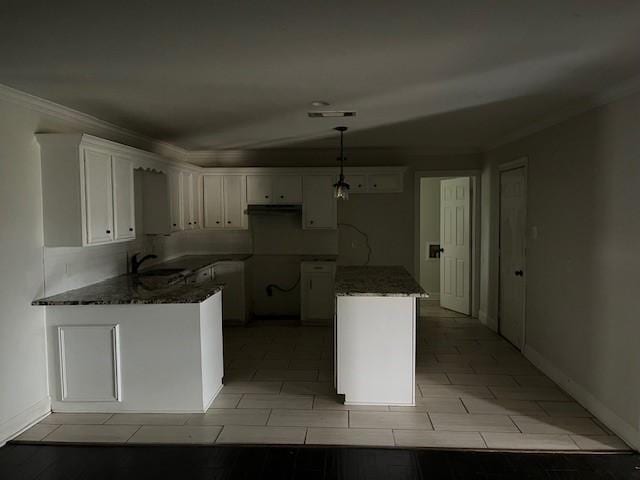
{"x": 342, "y": 187}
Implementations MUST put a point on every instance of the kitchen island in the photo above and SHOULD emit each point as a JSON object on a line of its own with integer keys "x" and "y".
{"x": 375, "y": 335}
{"x": 137, "y": 343}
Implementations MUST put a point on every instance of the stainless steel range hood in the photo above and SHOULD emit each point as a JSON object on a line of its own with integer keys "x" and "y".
{"x": 274, "y": 209}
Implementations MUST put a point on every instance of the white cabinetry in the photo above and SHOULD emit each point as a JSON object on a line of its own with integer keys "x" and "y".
{"x": 87, "y": 191}
{"x": 123, "y": 198}
{"x": 375, "y": 182}
{"x": 317, "y": 292}
{"x": 89, "y": 360}
{"x": 234, "y": 297}
{"x": 190, "y": 199}
{"x": 319, "y": 209}
{"x": 224, "y": 202}
{"x": 274, "y": 189}
{"x": 97, "y": 197}
{"x": 175, "y": 200}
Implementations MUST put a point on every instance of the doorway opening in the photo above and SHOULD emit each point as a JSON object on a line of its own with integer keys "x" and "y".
{"x": 446, "y": 240}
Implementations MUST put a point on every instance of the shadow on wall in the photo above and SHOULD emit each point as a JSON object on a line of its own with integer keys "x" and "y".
{"x": 582, "y": 298}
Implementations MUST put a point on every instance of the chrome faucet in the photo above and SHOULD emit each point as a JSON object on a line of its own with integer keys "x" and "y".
{"x": 135, "y": 263}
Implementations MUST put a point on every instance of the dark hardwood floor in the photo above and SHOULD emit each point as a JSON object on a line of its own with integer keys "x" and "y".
{"x": 304, "y": 463}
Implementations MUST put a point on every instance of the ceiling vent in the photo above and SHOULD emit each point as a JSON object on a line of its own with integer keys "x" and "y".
{"x": 331, "y": 113}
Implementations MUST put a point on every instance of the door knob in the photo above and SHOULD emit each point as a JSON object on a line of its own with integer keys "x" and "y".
{"x": 519, "y": 273}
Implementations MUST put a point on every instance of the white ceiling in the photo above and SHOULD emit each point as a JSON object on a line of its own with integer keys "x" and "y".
{"x": 240, "y": 74}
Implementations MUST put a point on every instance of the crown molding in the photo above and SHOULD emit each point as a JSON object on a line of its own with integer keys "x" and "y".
{"x": 61, "y": 112}
{"x": 611, "y": 95}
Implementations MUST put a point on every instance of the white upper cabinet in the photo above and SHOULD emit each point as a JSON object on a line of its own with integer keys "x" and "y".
{"x": 375, "y": 182}
{"x": 98, "y": 197}
{"x": 270, "y": 189}
{"x": 259, "y": 189}
{"x": 87, "y": 190}
{"x": 196, "y": 196}
{"x": 175, "y": 200}
{"x": 385, "y": 183}
{"x": 357, "y": 183}
{"x": 224, "y": 201}
{"x": 123, "y": 198}
{"x": 234, "y": 193}
{"x": 213, "y": 203}
{"x": 319, "y": 209}
{"x": 186, "y": 179}
{"x": 287, "y": 189}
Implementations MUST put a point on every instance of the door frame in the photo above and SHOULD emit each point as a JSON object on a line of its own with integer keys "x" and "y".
{"x": 474, "y": 175}
{"x": 520, "y": 162}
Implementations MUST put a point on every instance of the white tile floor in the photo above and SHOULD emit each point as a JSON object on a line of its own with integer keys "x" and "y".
{"x": 475, "y": 391}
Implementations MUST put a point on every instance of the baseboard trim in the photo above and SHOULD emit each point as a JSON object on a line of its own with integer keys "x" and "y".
{"x": 24, "y": 420}
{"x": 611, "y": 420}
{"x": 213, "y": 397}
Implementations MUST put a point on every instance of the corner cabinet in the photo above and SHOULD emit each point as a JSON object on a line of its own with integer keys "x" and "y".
{"x": 87, "y": 192}
{"x": 319, "y": 207}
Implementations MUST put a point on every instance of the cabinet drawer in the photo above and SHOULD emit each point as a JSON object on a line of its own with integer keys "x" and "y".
{"x": 310, "y": 267}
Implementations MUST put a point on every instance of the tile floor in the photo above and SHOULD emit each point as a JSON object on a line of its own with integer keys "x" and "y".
{"x": 474, "y": 391}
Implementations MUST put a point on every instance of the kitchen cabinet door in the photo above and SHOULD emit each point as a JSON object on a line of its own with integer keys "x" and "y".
{"x": 98, "y": 197}
{"x": 231, "y": 274}
{"x": 357, "y": 183}
{"x": 318, "y": 298}
{"x": 234, "y": 188}
{"x": 259, "y": 189}
{"x": 213, "y": 201}
{"x": 123, "y": 199}
{"x": 196, "y": 200}
{"x": 287, "y": 189}
{"x": 175, "y": 200}
{"x": 385, "y": 183}
{"x": 319, "y": 204}
{"x": 186, "y": 179}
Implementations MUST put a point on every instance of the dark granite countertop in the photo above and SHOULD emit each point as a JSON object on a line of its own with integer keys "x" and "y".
{"x": 374, "y": 281}
{"x": 147, "y": 289}
{"x": 134, "y": 289}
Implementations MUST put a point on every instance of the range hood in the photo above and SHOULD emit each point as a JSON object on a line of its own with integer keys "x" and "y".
{"x": 274, "y": 209}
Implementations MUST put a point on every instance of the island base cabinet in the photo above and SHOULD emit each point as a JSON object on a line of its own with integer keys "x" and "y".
{"x": 162, "y": 358}
{"x": 375, "y": 339}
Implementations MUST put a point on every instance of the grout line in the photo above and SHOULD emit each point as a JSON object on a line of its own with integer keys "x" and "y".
{"x": 107, "y": 419}
{"x": 131, "y": 436}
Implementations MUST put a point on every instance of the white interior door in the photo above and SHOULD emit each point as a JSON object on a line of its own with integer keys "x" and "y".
{"x": 512, "y": 251}
{"x": 455, "y": 240}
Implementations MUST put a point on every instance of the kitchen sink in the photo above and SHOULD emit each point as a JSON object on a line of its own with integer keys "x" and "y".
{"x": 160, "y": 272}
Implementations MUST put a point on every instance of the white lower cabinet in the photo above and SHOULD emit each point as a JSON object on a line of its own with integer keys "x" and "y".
{"x": 317, "y": 292}
{"x": 156, "y": 358}
{"x": 89, "y": 360}
{"x": 375, "y": 340}
{"x": 234, "y": 294}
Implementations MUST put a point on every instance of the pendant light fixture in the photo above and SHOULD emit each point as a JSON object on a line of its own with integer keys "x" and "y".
{"x": 342, "y": 187}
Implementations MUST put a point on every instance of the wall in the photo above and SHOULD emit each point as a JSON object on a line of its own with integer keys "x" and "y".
{"x": 582, "y": 269}
{"x": 429, "y": 233}
{"x": 24, "y": 394}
